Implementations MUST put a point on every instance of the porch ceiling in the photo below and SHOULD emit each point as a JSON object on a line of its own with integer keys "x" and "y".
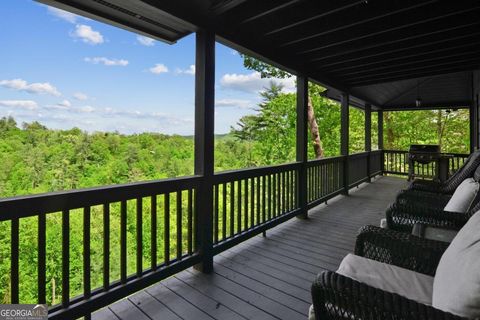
{"x": 376, "y": 50}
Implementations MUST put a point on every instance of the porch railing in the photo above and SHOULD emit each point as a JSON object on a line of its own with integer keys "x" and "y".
{"x": 396, "y": 163}
{"x": 165, "y": 237}
{"x": 158, "y": 203}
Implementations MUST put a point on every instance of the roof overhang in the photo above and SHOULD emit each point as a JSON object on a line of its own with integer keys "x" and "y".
{"x": 377, "y": 51}
{"x": 136, "y": 16}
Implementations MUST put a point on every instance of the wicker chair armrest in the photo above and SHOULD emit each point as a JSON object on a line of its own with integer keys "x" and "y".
{"x": 338, "y": 297}
{"x": 400, "y": 249}
{"x": 402, "y": 217}
{"x": 424, "y": 226}
{"x": 428, "y": 199}
{"x": 426, "y": 185}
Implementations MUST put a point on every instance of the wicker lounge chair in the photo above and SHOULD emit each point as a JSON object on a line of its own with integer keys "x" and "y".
{"x": 436, "y": 210}
{"x": 423, "y": 198}
{"x": 449, "y": 186}
{"x": 336, "y": 296}
{"x": 402, "y": 217}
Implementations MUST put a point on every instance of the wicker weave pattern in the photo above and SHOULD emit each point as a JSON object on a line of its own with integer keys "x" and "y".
{"x": 433, "y": 200}
{"x": 402, "y": 217}
{"x": 400, "y": 249}
{"x": 338, "y": 297}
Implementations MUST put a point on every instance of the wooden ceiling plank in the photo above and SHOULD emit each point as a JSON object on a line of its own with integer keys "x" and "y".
{"x": 410, "y": 89}
{"x": 452, "y": 63}
{"x": 322, "y": 13}
{"x": 267, "y": 12}
{"x": 412, "y": 75}
{"x": 222, "y": 6}
{"x": 405, "y": 42}
{"x": 360, "y": 35}
{"x": 398, "y": 56}
{"x": 355, "y": 20}
{"x": 475, "y": 51}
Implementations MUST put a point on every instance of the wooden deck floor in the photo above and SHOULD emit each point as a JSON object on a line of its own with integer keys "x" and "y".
{"x": 265, "y": 278}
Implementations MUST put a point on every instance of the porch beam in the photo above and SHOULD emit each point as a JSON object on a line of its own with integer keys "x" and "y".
{"x": 368, "y": 135}
{"x": 204, "y": 144}
{"x": 475, "y": 105}
{"x": 380, "y": 130}
{"x": 380, "y": 138}
{"x": 301, "y": 143}
{"x": 344, "y": 138}
{"x": 472, "y": 126}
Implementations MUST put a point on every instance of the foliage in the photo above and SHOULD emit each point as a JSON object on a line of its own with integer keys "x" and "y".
{"x": 448, "y": 128}
{"x": 36, "y": 159}
{"x": 266, "y": 70}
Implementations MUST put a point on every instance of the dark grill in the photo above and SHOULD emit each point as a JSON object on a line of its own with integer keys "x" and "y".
{"x": 423, "y": 153}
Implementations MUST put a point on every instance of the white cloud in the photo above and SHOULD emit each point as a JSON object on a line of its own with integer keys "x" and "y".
{"x": 65, "y": 104}
{"x": 254, "y": 83}
{"x": 62, "y": 14}
{"x": 159, "y": 68}
{"x": 87, "y": 34}
{"x": 37, "y": 87}
{"x": 86, "y": 109}
{"x": 233, "y": 103}
{"x": 146, "y": 41}
{"x": 23, "y": 104}
{"x": 144, "y": 115}
{"x": 107, "y": 61}
{"x": 190, "y": 70}
{"x": 80, "y": 96}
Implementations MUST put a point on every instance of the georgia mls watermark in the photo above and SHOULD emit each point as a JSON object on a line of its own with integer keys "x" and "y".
{"x": 23, "y": 311}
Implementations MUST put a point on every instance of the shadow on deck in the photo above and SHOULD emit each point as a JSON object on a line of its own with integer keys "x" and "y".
{"x": 265, "y": 278}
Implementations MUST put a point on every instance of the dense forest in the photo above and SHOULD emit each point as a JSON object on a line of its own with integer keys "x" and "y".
{"x": 37, "y": 159}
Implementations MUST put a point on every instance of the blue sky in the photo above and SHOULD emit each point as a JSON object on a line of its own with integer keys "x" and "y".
{"x": 68, "y": 71}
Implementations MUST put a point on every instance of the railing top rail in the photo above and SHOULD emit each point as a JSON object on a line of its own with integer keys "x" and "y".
{"x": 395, "y": 151}
{"x": 340, "y": 158}
{"x": 31, "y": 205}
{"x": 325, "y": 160}
{"x": 230, "y": 175}
{"x": 444, "y": 153}
{"x": 359, "y": 154}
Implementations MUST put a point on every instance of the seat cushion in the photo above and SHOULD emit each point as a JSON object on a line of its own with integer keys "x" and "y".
{"x": 439, "y": 234}
{"x": 409, "y": 284}
{"x": 432, "y": 233}
{"x": 476, "y": 174}
{"x": 311, "y": 313}
{"x": 463, "y": 196}
{"x": 456, "y": 286}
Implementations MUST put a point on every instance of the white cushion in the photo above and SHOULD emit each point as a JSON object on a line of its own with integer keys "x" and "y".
{"x": 439, "y": 234}
{"x": 311, "y": 313}
{"x": 409, "y": 284}
{"x": 463, "y": 196}
{"x": 456, "y": 286}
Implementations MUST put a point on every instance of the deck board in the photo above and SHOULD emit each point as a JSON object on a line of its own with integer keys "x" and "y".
{"x": 265, "y": 278}
{"x": 125, "y": 309}
{"x": 153, "y": 308}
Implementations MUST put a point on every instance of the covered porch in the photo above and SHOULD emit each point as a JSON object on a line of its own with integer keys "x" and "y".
{"x": 376, "y": 62}
{"x": 266, "y": 277}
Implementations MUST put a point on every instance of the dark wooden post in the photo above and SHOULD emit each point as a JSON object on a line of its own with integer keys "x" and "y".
{"x": 473, "y": 126}
{"x": 344, "y": 137}
{"x": 302, "y": 150}
{"x": 368, "y": 136}
{"x": 204, "y": 144}
{"x": 380, "y": 139}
